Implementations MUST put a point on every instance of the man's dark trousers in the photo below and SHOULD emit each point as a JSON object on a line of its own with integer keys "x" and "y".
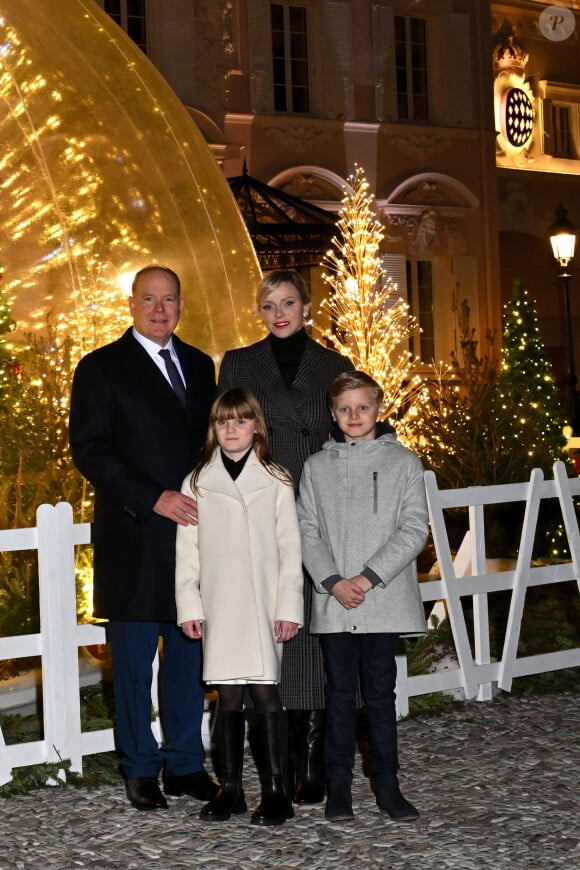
{"x": 133, "y": 648}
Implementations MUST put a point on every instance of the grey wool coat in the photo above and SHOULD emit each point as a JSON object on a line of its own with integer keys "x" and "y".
{"x": 363, "y": 504}
{"x": 299, "y": 422}
{"x": 240, "y": 570}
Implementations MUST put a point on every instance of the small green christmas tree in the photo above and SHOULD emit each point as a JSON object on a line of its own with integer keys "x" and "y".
{"x": 526, "y": 393}
{"x": 492, "y": 421}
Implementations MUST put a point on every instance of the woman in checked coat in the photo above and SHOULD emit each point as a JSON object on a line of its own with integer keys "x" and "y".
{"x": 289, "y": 374}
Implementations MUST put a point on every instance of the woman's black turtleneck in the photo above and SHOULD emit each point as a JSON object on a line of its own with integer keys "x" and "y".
{"x": 288, "y": 353}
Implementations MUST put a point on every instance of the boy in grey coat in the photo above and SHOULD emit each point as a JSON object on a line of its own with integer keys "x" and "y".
{"x": 363, "y": 520}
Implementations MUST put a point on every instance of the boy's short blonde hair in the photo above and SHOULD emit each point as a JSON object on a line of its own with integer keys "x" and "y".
{"x": 354, "y": 381}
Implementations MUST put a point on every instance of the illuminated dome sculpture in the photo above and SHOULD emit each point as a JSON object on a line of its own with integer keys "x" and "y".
{"x": 102, "y": 171}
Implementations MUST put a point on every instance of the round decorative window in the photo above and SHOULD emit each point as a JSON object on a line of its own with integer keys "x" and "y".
{"x": 517, "y": 117}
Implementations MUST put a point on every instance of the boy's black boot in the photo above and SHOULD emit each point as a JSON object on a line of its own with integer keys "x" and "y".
{"x": 275, "y": 805}
{"x": 310, "y": 785}
{"x": 339, "y": 798}
{"x": 231, "y": 730}
{"x": 391, "y": 801}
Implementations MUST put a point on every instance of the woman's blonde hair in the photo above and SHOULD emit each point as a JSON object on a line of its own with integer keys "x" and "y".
{"x": 277, "y": 277}
{"x": 238, "y": 404}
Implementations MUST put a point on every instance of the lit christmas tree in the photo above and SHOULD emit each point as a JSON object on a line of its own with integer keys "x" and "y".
{"x": 9, "y": 368}
{"x": 526, "y": 393}
{"x": 370, "y": 322}
{"x": 492, "y": 421}
{"x": 527, "y": 401}
{"x": 35, "y": 462}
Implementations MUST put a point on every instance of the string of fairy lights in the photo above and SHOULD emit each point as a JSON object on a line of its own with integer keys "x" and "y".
{"x": 527, "y": 376}
{"x": 369, "y": 320}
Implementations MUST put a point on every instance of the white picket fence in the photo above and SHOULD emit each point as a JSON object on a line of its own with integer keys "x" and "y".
{"x": 58, "y": 642}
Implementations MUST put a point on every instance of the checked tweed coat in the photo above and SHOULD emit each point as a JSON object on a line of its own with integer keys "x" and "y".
{"x": 298, "y": 422}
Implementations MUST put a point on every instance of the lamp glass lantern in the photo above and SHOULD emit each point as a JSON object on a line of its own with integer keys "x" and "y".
{"x": 562, "y": 235}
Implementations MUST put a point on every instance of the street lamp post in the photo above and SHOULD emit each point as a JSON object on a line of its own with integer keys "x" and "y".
{"x": 562, "y": 235}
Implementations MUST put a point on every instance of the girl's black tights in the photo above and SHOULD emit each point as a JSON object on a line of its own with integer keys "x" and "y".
{"x": 265, "y": 696}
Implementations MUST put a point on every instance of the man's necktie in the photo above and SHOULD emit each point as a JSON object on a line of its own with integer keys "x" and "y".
{"x": 174, "y": 376}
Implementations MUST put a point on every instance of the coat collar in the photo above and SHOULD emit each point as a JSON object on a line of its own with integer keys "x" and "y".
{"x": 386, "y": 439}
{"x": 215, "y": 478}
{"x": 310, "y": 375}
{"x": 148, "y": 366}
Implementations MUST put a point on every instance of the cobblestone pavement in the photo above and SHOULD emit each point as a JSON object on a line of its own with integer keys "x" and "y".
{"x": 496, "y": 783}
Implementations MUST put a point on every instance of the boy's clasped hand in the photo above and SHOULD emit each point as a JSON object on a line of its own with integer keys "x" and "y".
{"x": 351, "y": 591}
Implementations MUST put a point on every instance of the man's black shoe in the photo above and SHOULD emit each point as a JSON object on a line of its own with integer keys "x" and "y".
{"x": 145, "y": 794}
{"x": 199, "y": 785}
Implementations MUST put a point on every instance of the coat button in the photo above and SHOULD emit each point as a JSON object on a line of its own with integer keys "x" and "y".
{"x": 353, "y": 627}
{"x": 305, "y": 432}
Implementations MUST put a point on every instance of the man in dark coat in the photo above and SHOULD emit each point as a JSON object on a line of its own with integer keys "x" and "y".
{"x": 137, "y": 425}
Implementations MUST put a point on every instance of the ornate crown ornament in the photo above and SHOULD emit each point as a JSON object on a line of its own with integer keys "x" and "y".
{"x": 509, "y": 55}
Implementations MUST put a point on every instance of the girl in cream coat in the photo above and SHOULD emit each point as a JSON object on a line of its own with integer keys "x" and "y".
{"x": 239, "y": 586}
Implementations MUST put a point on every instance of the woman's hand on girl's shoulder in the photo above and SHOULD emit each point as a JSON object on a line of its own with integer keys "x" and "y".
{"x": 285, "y": 630}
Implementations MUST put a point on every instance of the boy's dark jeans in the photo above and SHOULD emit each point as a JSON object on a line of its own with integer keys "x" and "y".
{"x": 373, "y": 655}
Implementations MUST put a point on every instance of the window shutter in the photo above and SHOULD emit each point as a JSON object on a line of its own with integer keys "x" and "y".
{"x": 453, "y": 90}
{"x": 384, "y": 61}
{"x": 337, "y": 59}
{"x": 544, "y": 108}
{"x": 260, "y": 45}
{"x": 395, "y": 267}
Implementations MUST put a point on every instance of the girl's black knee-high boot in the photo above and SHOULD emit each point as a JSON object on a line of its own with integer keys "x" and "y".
{"x": 310, "y": 778}
{"x": 231, "y": 728}
{"x": 276, "y": 804}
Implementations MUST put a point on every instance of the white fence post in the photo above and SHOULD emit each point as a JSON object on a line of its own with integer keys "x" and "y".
{"x": 449, "y": 581}
{"x": 480, "y": 603}
{"x": 5, "y": 766}
{"x": 521, "y": 579}
{"x": 54, "y": 652}
{"x": 70, "y": 678}
{"x": 401, "y": 687}
{"x": 568, "y": 515}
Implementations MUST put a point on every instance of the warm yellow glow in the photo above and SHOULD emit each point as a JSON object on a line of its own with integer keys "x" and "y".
{"x": 370, "y": 320}
{"x": 84, "y": 583}
{"x": 101, "y": 172}
{"x": 125, "y": 281}
{"x": 562, "y": 235}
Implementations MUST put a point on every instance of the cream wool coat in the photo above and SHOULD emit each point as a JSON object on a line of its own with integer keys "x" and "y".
{"x": 240, "y": 570}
